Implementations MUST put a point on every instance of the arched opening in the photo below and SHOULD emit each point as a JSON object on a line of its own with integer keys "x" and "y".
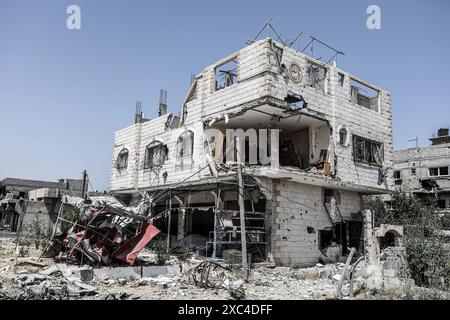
{"x": 390, "y": 239}
{"x": 343, "y": 136}
{"x": 185, "y": 145}
{"x": 122, "y": 160}
{"x": 156, "y": 154}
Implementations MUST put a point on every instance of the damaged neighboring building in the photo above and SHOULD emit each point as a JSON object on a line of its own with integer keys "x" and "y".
{"x": 424, "y": 171}
{"x": 39, "y": 199}
{"x": 322, "y": 139}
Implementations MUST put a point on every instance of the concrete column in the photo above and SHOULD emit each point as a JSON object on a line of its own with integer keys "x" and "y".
{"x": 181, "y": 219}
{"x": 370, "y": 242}
{"x": 372, "y": 254}
{"x": 274, "y": 147}
{"x": 181, "y": 224}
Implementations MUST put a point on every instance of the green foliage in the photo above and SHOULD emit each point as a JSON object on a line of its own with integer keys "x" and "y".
{"x": 445, "y": 221}
{"x": 161, "y": 253}
{"x": 68, "y": 217}
{"x": 24, "y": 242}
{"x": 427, "y": 253}
{"x": 404, "y": 210}
{"x": 44, "y": 243}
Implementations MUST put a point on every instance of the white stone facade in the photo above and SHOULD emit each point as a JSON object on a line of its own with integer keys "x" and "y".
{"x": 259, "y": 98}
{"x": 416, "y": 167}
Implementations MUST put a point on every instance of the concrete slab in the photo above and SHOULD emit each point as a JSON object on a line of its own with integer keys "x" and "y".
{"x": 154, "y": 271}
{"x": 135, "y": 273}
{"x": 115, "y": 273}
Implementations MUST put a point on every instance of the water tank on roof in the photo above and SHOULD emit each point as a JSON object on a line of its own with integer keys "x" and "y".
{"x": 443, "y": 132}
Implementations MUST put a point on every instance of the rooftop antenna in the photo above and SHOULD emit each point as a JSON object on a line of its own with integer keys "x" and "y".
{"x": 267, "y": 26}
{"x": 314, "y": 39}
{"x": 162, "y": 108}
{"x": 290, "y": 43}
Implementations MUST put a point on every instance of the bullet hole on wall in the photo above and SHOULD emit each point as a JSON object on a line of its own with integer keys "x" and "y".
{"x": 310, "y": 230}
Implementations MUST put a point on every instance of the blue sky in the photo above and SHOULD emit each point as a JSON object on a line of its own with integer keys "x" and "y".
{"x": 64, "y": 92}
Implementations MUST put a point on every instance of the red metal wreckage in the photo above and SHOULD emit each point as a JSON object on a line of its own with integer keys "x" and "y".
{"x": 98, "y": 233}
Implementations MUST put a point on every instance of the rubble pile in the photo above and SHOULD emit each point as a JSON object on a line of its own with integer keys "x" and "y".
{"x": 211, "y": 274}
{"x": 44, "y": 285}
{"x": 195, "y": 280}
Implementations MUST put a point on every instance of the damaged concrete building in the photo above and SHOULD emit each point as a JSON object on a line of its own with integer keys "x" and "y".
{"x": 314, "y": 140}
{"x": 424, "y": 171}
{"x": 39, "y": 199}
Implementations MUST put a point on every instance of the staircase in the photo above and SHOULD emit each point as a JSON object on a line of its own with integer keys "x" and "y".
{"x": 333, "y": 212}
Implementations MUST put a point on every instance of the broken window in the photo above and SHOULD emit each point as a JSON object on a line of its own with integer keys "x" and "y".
{"x": 340, "y": 79}
{"x": 367, "y": 151}
{"x": 397, "y": 175}
{"x": 363, "y": 95}
{"x": 441, "y": 171}
{"x": 276, "y": 56}
{"x": 185, "y": 144}
{"x": 295, "y": 101}
{"x": 343, "y": 136}
{"x": 155, "y": 154}
{"x": 316, "y": 76}
{"x": 413, "y": 171}
{"x": 434, "y": 171}
{"x": 122, "y": 160}
{"x": 226, "y": 74}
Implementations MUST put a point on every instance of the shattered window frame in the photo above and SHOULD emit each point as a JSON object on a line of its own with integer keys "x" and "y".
{"x": 156, "y": 154}
{"x": 437, "y": 171}
{"x": 122, "y": 159}
{"x": 228, "y": 77}
{"x": 276, "y": 56}
{"x": 315, "y": 80}
{"x": 364, "y": 95}
{"x": 368, "y": 151}
{"x": 185, "y": 142}
{"x": 340, "y": 79}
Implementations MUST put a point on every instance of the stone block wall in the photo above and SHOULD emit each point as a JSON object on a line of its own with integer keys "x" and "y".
{"x": 296, "y": 214}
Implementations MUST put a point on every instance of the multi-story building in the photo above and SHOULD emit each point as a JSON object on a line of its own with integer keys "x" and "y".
{"x": 316, "y": 138}
{"x": 424, "y": 171}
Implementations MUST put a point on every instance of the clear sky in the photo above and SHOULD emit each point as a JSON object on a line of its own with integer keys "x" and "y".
{"x": 64, "y": 92}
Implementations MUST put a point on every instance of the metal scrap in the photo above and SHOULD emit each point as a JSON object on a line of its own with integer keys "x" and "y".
{"x": 210, "y": 274}
{"x": 97, "y": 233}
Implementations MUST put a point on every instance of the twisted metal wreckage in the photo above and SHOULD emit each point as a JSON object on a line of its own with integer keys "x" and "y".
{"x": 94, "y": 232}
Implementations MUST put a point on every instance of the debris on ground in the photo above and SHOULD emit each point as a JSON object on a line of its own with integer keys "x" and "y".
{"x": 211, "y": 274}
